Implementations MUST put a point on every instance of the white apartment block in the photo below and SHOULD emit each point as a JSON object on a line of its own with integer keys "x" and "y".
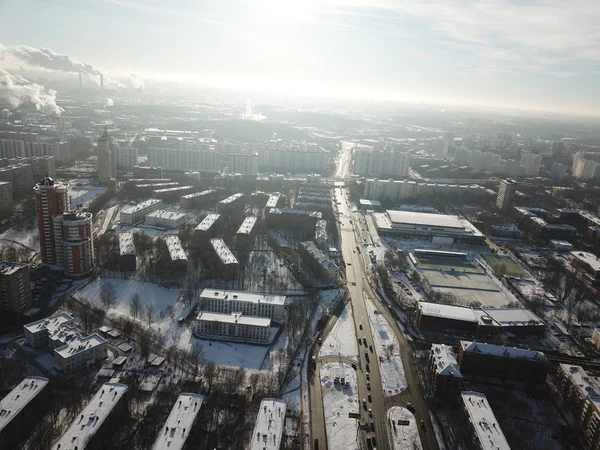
{"x": 375, "y": 162}
{"x": 233, "y": 327}
{"x": 127, "y": 157}
{"x": 268, "y": 428}
{"x": 189, "y": 156}
{"x": 19, "y": 398}
{"x": 37, "y": 333}
{"x": 182, "y": 417}
{"x": 166, "y": 219}
{"x": 6, "y": 197}
{"x": 531, "y": 164}
{"x": 294, "y": 157}
{"x": 135, "y": 214}
{"x": 584, "y": 167}
{"x": 376, "y": 189}
{"x": 244, "y": 163}
{"x": 176, "y": 251}
{"x": 247, "y": 303}
{"x": 11, "y": 149}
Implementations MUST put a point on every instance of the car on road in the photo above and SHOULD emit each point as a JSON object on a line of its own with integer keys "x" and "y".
{"x": 368, "y": 370}
{"x": 320, "y": 341}
{"x": 370, "y": 398}
{"x": 367, "y": 357}
{"x": 370, "y": 412}
{"x": 354, "y": 366}
{"x": 336, "y": 380}
{"x": 316, "y": 447}
{"x": 368, "y": 377}
{"x": 410, "y": 407}
{"x": 365, "y": 341}
{"x": 368, "y": 386}
{"x": 377, "y": 311}
{"x": 364, "y": 403}
{"x": 348, "y": 264}
{"x": 371, "y": 348}
{"x": 360, "y": 326}
{"x": 374, "y": 440}
{"x": 423, "y": 425}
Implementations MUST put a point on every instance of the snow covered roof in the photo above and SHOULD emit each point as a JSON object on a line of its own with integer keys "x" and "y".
{"x": 51, "y": 324}
{"x": 17, "y": 399}
{"x": 8, "y": 268}
{"x": 173, "y": 189}
{"x": 273, "y": 200}
{"x": 164, "y": 214}
{"x": 78, "y": 344}
{"x": 243, "y": 296}
{"x": 231, "y": 198}
{"x": 445, "y": 360}
{"x": 451, "y": 312}
{"x": 269, "y": 425}
{"x": 586, "y": 384}
{"x": 315, "y": 252}
{"x": 223, "y": 251}
{"x": 424, "y": 219}
{"x": 179, "y": 423}
{"x": 247, "y": 225}
{"x": 510, "y": 317}
{"x": 176, "y": 251}
{"x": 501, "y": 351}
{"x": 157, "y": 185}
{"x": 126, "y": 244}
{"x": 484, "y": 421}
{"x": 296, "y": 212}
{"x": 234, "y": 318}
{"x": 587, "y": 258}
{"x": 85, "y": 425}
{"x": 140, "y": 206}
{"x": 198, "y": 194}
{"x": 208, "y": 222}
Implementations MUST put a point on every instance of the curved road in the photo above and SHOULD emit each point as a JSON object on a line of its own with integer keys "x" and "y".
{"x": 357, "y": 280}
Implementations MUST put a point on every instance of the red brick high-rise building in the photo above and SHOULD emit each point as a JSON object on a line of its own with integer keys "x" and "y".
{"x": 51, "y": 199}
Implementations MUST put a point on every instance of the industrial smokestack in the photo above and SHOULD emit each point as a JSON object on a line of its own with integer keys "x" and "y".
{"x": 101, "y": 81}
{"x": 80, "y": 82}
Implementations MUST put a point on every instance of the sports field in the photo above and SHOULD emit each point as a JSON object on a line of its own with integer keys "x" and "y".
{"x": 512, "y": 268}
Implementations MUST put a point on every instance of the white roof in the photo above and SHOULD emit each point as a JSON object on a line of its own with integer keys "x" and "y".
{"x": 247, "y": 225}
{"x": 234, "y": 318}
{"x": 318, "y": 255}
{"x": 588, "y": 258}
{"x": 164, "y": 214}
{"x": 445, "y": 360}
{"x": 296, "y": 212}
{"x": 208, "y": 222}
{"x": 157, "y": 185}
{"x": 126, "y": 244}
{"x": 269, "y": 425}
{"x": 424, "y": 219}
{"x": 52, "y": 323}
{"x": 502, "y": 352}
{"x": 243, "y": 296}
{"x": 176, "y": 430}
{"x": 198, "y": 194}
{"x": 273, "y": 200}
{"x": 223, "y": 251}
{"x": 79, "y": 344}
{"x": 587, "y": 385}
{"x": 19, "y": 398}
{"x": 513, "y": 316}
{"x": 176, "y": 251}
{"x": 173, "y": 189}
{"x": 484, "y": 421}
{"x": 462, "y": 313}
{"x": 85, "y": 425}
{"x": 8, "y": 268}
{"x": 231, "y": 198}
{"x": 141, "y": 206}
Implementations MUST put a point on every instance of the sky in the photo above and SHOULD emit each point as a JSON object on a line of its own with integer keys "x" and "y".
{"x": 529, "y": 54}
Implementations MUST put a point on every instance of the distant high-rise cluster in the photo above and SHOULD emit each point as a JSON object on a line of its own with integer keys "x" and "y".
{"x": 586, "y": 166}
{"x": 187, "y": 156}
{"x": 244, "y": 163}
{"x": 381, "y": 162}
{"x": 531, "y": 164}
{"x": 65, "y": 238}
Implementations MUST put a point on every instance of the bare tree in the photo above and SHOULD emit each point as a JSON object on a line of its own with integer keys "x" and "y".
{"x": 108, "y": 295}
{"x": 135, "y": 306}
{"x": 150, "y": 309}
{"x": 389, "y": 350}
{"x": 170, "y": 311}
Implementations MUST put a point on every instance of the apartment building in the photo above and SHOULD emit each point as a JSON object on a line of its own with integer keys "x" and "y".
{"x": 247, "y": 303}
{"x": 177, "y": 428}
{"x": 207, "y": 228}
{"x": 482, "y": 430}
{"x": 127, "y": 257}
{"x": 233, "y": 203}
{"x": 269, "y": 425}
{"x": 244, "y": 163}
{"x": 397, "y": 190}
{"x": 15, "y": 293}
{"x": 296, "y": 157}
{"x": 318, "y": 261}
{"x": 246, "y": 231}
{"x": 197, "y": 199}
{"x": 506, "y": 194}
{"x": 20, "y": 175}
{"x": 135, "y": 214}
{"x": 226, "y": 263}
{"x": 147, "y": 172}
{"x": 232, "y": 327}
{"x": 6, "y": 198}
{"x": 188, "y": 156}
{"x": 444, "y": 375}
{"x": 371, "y": 162}
{"x": 177, "y": 254}
{"x": 171, "y": 194}
{"x": 166, "y": 219}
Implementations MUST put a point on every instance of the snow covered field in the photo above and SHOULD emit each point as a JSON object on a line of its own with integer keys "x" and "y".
{"x": 341, "y": 341}
{"x": 393, "y": 379}
{"x": 403, "y": 436}
{"x": 29, "y": 237}
{"x": 81, "y": 195}
{"x": 337, "y": 403}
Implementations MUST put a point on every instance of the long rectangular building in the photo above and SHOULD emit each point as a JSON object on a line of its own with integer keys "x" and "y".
{"x": 483, "y": 427}
{"x": 173, "y": 435}
{"x": 135, "y": 214}
{"x": 197, "y": 199}
{"x": 208, "y": 227}
{"x": 233, "y": 327}
{"x": 248, "y": 303}
{"x": 268, "y": 428}
{"x": 166, "y": 219}
{"x": 227, "y": 262}
{"x": 127, "y": 259}
{"x": 86, "y": 426}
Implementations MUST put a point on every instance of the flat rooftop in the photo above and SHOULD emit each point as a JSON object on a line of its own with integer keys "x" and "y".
{"x": 223, "y": 251}
{"x": 17, "y": 399}
{"x": 176, "y": 251}
{"x": 232, "y": 198}
{"x": 460, "y": 313}
{"x": 588, "y": 385}
{"x": 509, "y": 317}
{"x": 247, "y": 225}
{"x": 273, "y": 200}
{"x": 445, "y": 360}
{"x": 141, "y": 206}
{"x": 9, "y": 268}
{"x": 269, "y": 425}
{"x": 91, "y": 418}
{"x": 369, "y": 203}
{"x": 234, "y": 318}
{"x": 174, "y": 433}
{"x": 51, "y": 324}
{"x": 588, "y": 258}
{"x": 79, "y": 344}
{"x": 126, "y": 244}
{"x": 243, "y": 296}
{"x": 173, "y": 189}
{"x": 295, "y": 212}
{"x": 198, "y": 194}
{"x": 168, "y": 215}
{"x": 156, "y": 185}
{"x": 484, "y": 421}
{"x": 424, "y": 219}
{"x": 207, "y": 222}
{"x": 501, "y": 351}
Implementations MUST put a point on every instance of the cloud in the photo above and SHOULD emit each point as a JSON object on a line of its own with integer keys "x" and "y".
{"x": 16, "y": 90}
{"x": 44, "y": 57}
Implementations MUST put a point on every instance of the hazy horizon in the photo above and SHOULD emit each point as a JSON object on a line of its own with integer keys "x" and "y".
{"x": 528, "y": 55}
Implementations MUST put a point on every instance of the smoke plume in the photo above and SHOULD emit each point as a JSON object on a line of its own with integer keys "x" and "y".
{"x": 109, "y": 102}
{"x": 16, "y": 90}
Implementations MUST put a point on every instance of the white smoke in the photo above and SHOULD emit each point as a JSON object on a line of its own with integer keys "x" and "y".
{"x": 121, "y": 82}
{"x": 16, "y": 90}
{"x": 109, "y": 102}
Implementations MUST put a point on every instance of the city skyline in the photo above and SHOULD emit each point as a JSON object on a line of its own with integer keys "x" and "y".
{"x": 507, "y": 54}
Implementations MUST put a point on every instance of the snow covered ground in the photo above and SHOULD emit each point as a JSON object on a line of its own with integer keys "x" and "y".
{"x": 29, "y": 237}
{"x": 404, "y": 436}
{"x": 341, "y": 341}
{"x": 82, "y": 195}
{"x": 393, "y": 379}
{"x": 342, "y": 431}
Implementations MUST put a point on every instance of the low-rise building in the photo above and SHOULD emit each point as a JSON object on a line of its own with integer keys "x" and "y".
{"x": 37, "y": 333}
{"x": 246, "y": 231}
{"x": 227, "y": 264}
{"x": 208, "y": 227}
{"x": 318, "y": 261}
{"x": 293, "y": 219}
{"x": 177, "y": 254}
{"x": 274, "y": 201}
{"x": 15, "y": 292}
{"x": 233, "y": 327}
{"x": 197, "y": 199}
{"x": 588, "y": 263}
{"x": 92, "y": 426}
{"x": 135, "y": 214}
{"x": 147, "y": 172}
{"x": 248, "y": 303}
{"x": 590, "y": 423}
{"x": 444, "y": 374}
{"x": 270, "y": 422}
{"x": 20, "y": 410}
{"x": 231, "y": 204}
{"x": 174, "y": 434}
{"x": 574, "y": 385}
{"x": 166, "y": 219}
{"x": 482, "y": 430}
{"x": 502, "y": 362}
{"x": 172, "y": 194}
{"x": 127, "y": 258}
